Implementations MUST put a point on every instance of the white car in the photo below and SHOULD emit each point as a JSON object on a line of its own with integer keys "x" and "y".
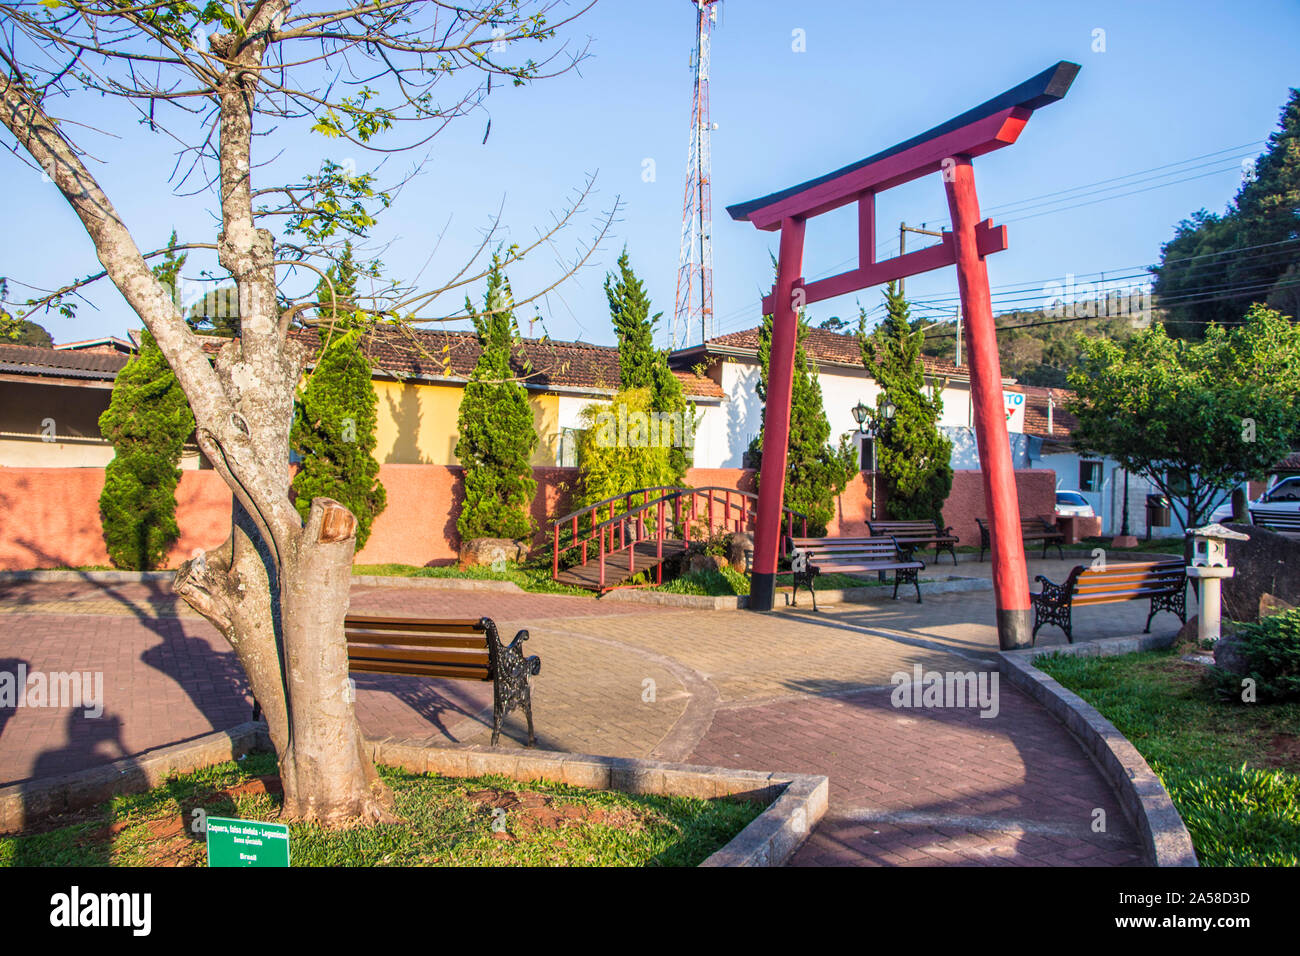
{"x": 1071, "y": 504}
{"x": 1281, "y": 501}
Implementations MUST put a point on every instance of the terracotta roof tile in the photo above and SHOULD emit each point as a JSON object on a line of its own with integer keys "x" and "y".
{"x": 1036, "y": 408}
{"x": 402, "y": 351}
{"x": 834, "y": 348}
{"x": 68, "y": 363}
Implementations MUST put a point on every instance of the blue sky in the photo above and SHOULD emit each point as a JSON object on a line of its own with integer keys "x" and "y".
{"x": 1178, "y": 80}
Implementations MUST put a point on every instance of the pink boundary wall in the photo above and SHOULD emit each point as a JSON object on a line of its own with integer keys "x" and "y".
{"x": 50, "y": 516}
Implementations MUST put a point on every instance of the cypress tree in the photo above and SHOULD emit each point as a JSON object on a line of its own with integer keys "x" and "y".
{"x": 497, "y": 434}
{"x": 335, "y": 413}
{"x": 148, "y": 420}
{"x": 816, "y": 471}
{"x": 641, "y": 365}
{"x": 912, "y": 454}
{"x": 334, "y": 432}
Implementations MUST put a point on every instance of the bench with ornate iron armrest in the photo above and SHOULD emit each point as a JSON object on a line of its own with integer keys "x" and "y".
{"x": 921, "y": 533}
{"x": 810, "y": 557}
{"x": 1032, "y": 528}
{"x": 465, "y": 649}
{"x": 1164, "y": 582}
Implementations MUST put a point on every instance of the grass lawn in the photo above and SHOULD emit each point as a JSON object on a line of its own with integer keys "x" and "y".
{"x": 729, "y": 582}
{"x": 528, "y": 577}
{"x": 447, "y": 822}
{"x": 1232, "y": 770}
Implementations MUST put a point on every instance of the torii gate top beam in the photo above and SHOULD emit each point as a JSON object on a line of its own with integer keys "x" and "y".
{"x": 987, "y": 127}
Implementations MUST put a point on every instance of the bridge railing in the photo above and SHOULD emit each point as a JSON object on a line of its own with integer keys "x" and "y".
{"x": 658, "y": 513}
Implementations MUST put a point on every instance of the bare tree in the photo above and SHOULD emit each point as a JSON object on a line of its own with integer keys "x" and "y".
{"x": 216, "y": 78}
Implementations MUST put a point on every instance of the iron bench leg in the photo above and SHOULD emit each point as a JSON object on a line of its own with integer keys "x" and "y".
{"x": 907, "y": 576}
{"x": 1175, "y": 603}
{"x": 510, "y": 673}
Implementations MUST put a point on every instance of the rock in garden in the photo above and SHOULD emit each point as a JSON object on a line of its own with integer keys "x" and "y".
{"x": 1269, "y": 563}
{"x": 1229, "y": 655}
{"x": 490, "y": 551}
{"x": 705, "y": 562}
{"x": 1270, "y": 604}
{"x": 741, "y": 542}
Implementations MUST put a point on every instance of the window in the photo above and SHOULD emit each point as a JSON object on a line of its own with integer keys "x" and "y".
{"x": 567, "y": 454}
{"x": 1288, "y": 490}
{"x": 1089, "y": 475}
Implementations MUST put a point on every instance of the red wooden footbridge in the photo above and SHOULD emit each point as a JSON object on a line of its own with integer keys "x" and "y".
{"x": 621, "y": 537}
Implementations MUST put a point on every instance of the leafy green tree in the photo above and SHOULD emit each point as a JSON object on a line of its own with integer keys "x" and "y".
{"x": 816, "y": 471}
{"x": 1034, "y": 346}
{"x": 497, "y": 434}
{"x": 335, "y": 413}
{"x": 216, "y": 313}
{"x": 1195, "y": 417}
{"x": 617, "y": 450}
{"x": 1250, "y": 253}
{"x": 147, "y": 420}
{"x": 334, "y": 432}
{"x": 912, "y": 454}
{"x": 641, "y": 365}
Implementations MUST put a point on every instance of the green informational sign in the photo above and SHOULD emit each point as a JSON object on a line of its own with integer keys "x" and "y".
{"x": 247, "y": 843}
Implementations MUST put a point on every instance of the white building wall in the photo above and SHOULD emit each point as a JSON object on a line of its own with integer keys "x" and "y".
{"x": 841, "y": 391}
{"x": 710, "y": 427}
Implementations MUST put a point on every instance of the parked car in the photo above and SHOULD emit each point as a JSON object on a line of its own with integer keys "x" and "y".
{"x": 1283, "y": 500}
{"x": 1071, "y": 504}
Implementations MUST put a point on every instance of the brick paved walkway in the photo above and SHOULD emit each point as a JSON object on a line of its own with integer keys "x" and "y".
{"x": 792, "y": 691}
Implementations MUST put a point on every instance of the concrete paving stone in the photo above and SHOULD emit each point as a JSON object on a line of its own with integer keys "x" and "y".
{"x": 789, "y": 691}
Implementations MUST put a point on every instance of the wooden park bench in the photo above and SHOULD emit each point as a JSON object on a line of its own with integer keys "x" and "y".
{"x": 463, "y": 649}
{"x": 922, "y": 533}
{"x": 810, "y": 557}
{"x": 1032, "y": 528}
{"x": 1284, "y": 523}
{"x": 1163, "y": 582}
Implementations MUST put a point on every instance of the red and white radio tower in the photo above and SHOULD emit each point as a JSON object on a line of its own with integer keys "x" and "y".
{"x": 695, "y": 265}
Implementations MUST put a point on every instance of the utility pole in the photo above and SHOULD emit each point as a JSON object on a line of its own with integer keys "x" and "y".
{"x": 958, "y": 363}
{"x": 903, "y": 230}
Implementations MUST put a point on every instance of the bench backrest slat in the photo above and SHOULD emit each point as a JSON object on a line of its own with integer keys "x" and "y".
{"x": 431, "y": 647}
{"x": 381, "y": 622}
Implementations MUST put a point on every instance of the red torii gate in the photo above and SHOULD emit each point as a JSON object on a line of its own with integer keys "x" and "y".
{"x": 947, "y": 148}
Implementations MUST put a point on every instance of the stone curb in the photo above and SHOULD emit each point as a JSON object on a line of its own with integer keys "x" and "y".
{"x": 94, "y": 577}
{"x": 28, "y": 801}
{"x": 796, "y": 802}
{"x": 453, "y": 584}
{"x": 365, "y": 580}
{"x": 863, "y": 595}
{"x": 1165, "y": 839}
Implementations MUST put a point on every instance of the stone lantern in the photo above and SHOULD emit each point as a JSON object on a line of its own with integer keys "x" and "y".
{"x": 1210, "y": 566}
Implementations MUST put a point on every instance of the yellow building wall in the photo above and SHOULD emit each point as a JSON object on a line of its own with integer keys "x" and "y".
{"x": 417, "y": 424}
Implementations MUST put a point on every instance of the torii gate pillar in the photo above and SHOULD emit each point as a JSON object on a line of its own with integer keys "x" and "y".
{"x": 948, "y": 149}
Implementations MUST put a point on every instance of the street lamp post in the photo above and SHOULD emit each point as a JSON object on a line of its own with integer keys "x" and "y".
{"x": 868, "y": 423}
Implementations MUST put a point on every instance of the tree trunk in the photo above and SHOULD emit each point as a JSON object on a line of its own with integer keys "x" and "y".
{"x": 333, "y": 780}
{"x": 296, "y": 617}
{"x": 276, "y": 590}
